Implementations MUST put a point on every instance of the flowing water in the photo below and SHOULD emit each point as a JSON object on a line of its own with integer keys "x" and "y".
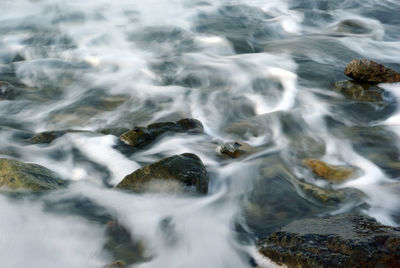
{"x": 259, "y": 71}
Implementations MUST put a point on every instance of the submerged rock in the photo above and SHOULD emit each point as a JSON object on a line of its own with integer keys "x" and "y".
{"x": 236, "y": 149}
{"x": 122, "y": 246}
{"x": 368, "y": 71}
{"x": 115, "y": 131}
{"x": 50, "y": 136}
{"x": 140, "y": 137}
{"x": 346, "y": 240}
{"x": 328, "y": 195}
{"x": 359, "y": 92}
{"x": 7, "y": 91}
{"x": 329, "y": 172}
{"x": 114, "y": 264}
{"x": 15, "y": 174}
{"x": 169, "y": 174}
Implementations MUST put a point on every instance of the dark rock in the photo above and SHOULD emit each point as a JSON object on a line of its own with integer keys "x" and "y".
{"x": 360, "y": 92}
{"x": 371, "y": 72}
{"x": 122, "y": 246}
{"x": 118, "y": 263}
{"x": 50, "y": 136}
{"x": 116, "y": 131}
{"x": 15, "y": 174}
{"x": 329, "y": 172}
{"x": 346, "y": 240}
{"x": 329, "y": 196}
{"x": 169, "y": 174}
{"x": 276, "y": 199}
{"x": 143, "y": 136}
{"x": 236, "y": 149}
{"x": 7, "y": 91}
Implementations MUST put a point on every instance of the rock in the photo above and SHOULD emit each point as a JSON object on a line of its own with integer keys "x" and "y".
{"x": 371, "y": 72}
{"x": 169, "y": 174}
{"x": 143, "y": 136}
{"x": 15, "y": 174}
{"x": 330, "y": 196}
{"x": 276, "y": 200}
{"x": 116, "y": 131}
{"x": 50, "y": 136}
{"x": 122, "y": 246}
{"x": 118, "y": 263}
{"x": 345, "y": 240}
{"x": 236, "y": 149}
{"x": 7, "y": 91}
{"x": 329, "y": 172}
{"x": 359, "y": 92}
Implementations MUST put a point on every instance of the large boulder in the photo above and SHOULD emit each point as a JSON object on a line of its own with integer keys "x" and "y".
{"x": 368, "y": 71}
{"x": 345, "y": 240}
{"x": 15, "y": 174}
{"x": 175, "y": 173}
{"x": 140, "y": 137}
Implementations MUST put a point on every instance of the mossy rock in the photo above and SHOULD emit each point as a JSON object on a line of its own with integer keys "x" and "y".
{"x": 18, "y": 175}
{"x": 329, "y": 172}
{"x": 173, "y": 174}
{"x": 140, "y": 137}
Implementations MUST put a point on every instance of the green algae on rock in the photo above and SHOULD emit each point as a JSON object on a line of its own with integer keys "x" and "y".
{"x": 16, "y": 175}
{"x": 172, "y": 174}
{"x": 140, "y": 137}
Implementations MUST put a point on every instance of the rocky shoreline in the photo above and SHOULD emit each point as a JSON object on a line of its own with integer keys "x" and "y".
{"x": 344, "y": 240}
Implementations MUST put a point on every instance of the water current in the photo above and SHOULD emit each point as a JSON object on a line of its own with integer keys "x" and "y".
{"x": 258, "y": 71}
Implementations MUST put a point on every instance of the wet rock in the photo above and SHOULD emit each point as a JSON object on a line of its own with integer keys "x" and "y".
{"x": 236, "y": 149}
{"x": 140, "y": 137}
{"x": 15, "y": 174}
{"x": 118, "y": 263}
{"x": 276, "y": 200}
{"x": 346, "y": 240}
{"x": 329, "y": 172}
{"x": 359, "y": 92}
{"x": 368, "y": 71}
{"x": 116, "y": 131}
{"x": 50, "y": 136}
{"x": 175, "y": 173}
{"x": 7, "y": 91}
{"x": 328, "y": 195}
{"x": 122, "y": 246}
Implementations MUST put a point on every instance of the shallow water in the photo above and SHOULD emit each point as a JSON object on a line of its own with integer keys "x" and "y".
{"x": 256, "y": 71}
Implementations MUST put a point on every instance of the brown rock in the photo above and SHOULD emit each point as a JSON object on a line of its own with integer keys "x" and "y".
{"x": 329, "y": 172}
{"x": 371, "y": 72}
{"x": 236, "y": 149}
